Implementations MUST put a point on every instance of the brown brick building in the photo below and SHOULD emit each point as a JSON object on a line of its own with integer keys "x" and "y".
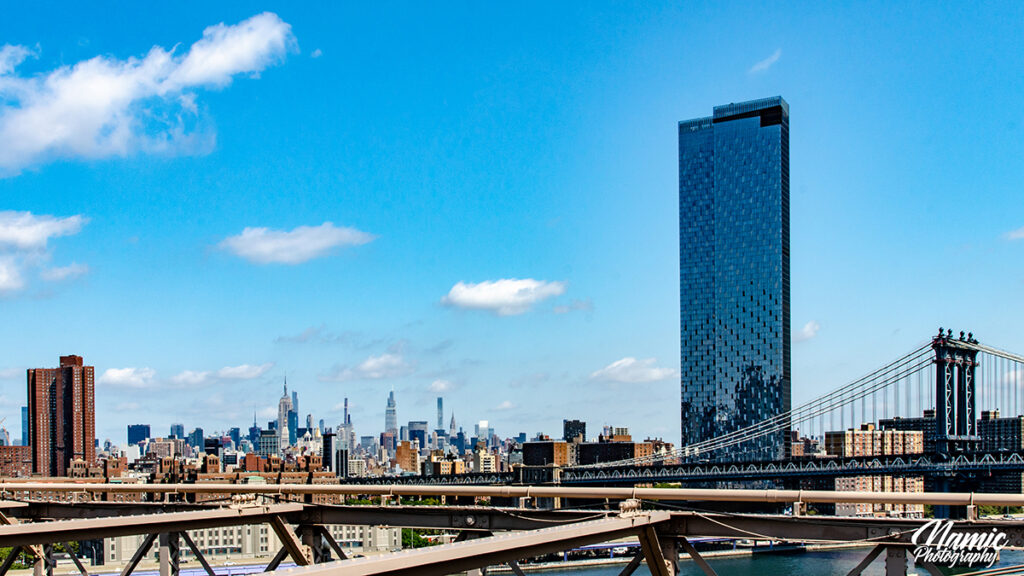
{"x": 62, "y": 416}
{"x": 545, "y": 453}
{"x": 15, "y": 461}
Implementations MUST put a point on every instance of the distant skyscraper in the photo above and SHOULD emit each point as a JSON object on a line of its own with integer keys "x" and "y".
{"x": 451, "y": 426}
{"x": 440, "y": 414}
{"x": 391, "y": 415}
{"x": 418, "y": 431}
{"x": 137, "y": 433}
{"x": 236, "y": 436}
{"x": 284, "y": 406}
{"x": 269, "y": 443}
{"x": 178, "y": 431}
{"x": 734, "y": 272}
{"x": 295, "y": 401}
{"x": 571, "y": 429}
{"x": 195, "y": 438}
{"x": 346, "y": 433}
{"x": 24, "y": 425}
{"x": 293, "y": 427}
{"x": 327, "y": 450}
{"x": 254, "y": 431}
{"x": 62, "y": 416}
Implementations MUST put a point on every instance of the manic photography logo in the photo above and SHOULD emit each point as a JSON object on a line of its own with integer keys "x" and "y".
{"x": 937, "y": 542}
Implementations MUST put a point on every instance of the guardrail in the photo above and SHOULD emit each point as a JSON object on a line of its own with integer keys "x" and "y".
{"x": 678, "y": 494}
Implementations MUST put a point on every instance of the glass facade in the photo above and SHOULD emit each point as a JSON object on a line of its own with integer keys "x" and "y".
{"x": 734, "y": 273}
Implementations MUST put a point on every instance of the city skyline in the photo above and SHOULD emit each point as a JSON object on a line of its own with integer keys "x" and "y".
{"x": 340, "y": 211}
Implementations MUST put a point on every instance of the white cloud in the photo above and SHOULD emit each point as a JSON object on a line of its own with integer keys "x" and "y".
{"x": 128, "y": 377}
{"x": 73, "y": 270}
{"x": 504, "y": 406}
{"x": 629, "y": 370}
{"x": 11, "y": 279}
{"x": 265, "y": 246}
{"x": 11, "y": 56}
{"x": 767, "y": 62}
{"x": 810, "y": 330}
{"x": 190, "y": 378}
{"x": 12, "y": 373}
{"x": 441, "y": 386}
{"x": 316, "y": 53}
{"x": 382, "y": 367}
{"x": 24, "y": 241}
{"x": 105, "y": 107}
{"x": 506, "y": 297}
{"x": 24, "y": 231}
{"x": 1017, "y": 234}
{"x": 244, "y": 371}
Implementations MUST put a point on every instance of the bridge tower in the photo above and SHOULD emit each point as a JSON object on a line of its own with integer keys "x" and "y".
{"x": 955, "y": 363}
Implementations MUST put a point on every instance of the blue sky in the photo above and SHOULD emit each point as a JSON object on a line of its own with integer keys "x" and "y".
{"x": 479, "y": 200}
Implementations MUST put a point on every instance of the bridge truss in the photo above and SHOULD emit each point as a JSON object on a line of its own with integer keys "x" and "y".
{"x": 487, "y": 535}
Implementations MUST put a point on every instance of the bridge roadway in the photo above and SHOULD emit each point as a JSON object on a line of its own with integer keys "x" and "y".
{"x": 910, "y": 464}
{"x": 487, "y": 535}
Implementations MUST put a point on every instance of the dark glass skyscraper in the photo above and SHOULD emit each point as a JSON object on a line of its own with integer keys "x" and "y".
{"x": 734, "y": 273}
{"x": 137, "y": 433}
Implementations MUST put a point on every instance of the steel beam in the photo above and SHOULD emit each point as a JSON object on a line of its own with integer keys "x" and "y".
{"x": 74, "y": 558}
{"x": 170, "y": 554}
{"x": 12, "y": 557}
{"x": 75, "y": 510}
{"x": 673, "y": 494}
{"x": 326, "y": 535}
{"x": 895, "y": 561}
{"x": 866, "y": 561}
{"x": 628, "y": 569}
{"x": 302, "y": 554}
{"x": 44, "y": 563}
{"x": 199, "y": 555}
{"x": 74, "y": 530}
{"x": 697, "y": 558}
{"x": 651, "y": 546}
{"x": 277, "y": 559}
{"x": 5, "y": 520}
{"x": 442, "y": 517}
{"x": 819, "y": 528}
{"x": 481, "y": 552}
{"x": 138, "y": 555}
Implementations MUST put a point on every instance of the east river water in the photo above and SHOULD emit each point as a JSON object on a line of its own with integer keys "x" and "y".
{"x": 837, "y": 562}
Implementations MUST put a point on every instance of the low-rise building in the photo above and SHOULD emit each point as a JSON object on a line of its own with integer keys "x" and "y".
{"x": 546, "y": 453}
{"x": 869, "y": 441}
{"x": 484, "y": 461}
{"x": 880, "y": 483}
{"x": 1000, "y": 434}
{"x": 254, "y": 541}
{"x": 15, "y": 461}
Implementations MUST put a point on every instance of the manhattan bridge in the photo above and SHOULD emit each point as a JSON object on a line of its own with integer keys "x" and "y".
{"x": 940, "y": 388}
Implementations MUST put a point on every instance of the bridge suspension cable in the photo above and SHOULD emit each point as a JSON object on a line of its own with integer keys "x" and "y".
{"x": 904, "y": 371}
{"x": 843, "y": 396}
